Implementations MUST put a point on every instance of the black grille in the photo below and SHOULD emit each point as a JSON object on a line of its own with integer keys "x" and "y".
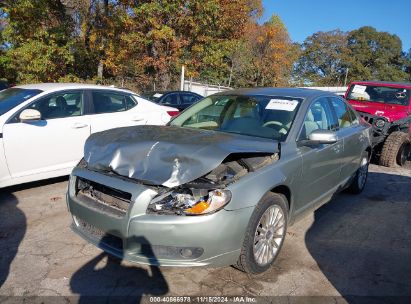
{"x": 103, "y": 198}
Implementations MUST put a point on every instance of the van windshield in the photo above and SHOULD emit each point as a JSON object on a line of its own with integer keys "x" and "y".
{"x": 11, "y": 98}
{"x": 380, "y": 94}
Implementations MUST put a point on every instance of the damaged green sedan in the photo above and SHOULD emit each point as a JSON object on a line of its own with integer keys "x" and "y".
{"x": 220, "y": 184}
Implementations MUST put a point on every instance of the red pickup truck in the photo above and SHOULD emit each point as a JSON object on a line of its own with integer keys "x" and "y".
{"x": 386, "y": 106}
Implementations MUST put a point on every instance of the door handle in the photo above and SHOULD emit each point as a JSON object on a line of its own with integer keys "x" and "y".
{"x": 79, "y": 125}
{"x": 137, "y": 118}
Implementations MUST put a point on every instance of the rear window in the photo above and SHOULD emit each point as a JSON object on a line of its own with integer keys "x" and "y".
{"x": 380, "y": 94}
{"x": 13, "y": 97}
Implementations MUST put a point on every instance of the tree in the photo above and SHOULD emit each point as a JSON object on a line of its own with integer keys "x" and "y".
{"x": 147, "y": 40}
{"x": 375, "y": 55}
{"x": 408, "y": 64}
{"x": 159, "y": 36}
{"x": 3, "y": 63}
{"x": 265, "y": 56}
{"x": 38, "y": 40}
{"x": 324, "y": 59}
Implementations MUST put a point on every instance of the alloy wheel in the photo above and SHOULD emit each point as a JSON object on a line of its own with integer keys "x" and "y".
{"x": 269, "y": 235}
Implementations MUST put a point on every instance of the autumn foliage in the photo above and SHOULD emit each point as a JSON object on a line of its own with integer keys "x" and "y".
{"x": 147, "y": 41}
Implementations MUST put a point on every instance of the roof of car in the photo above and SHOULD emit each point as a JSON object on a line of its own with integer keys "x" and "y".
{"x": 402, "y": 84}
{"x": 166, "y": 92}
{"x": 65, "y": 86}
{"x": 290, "y": 92}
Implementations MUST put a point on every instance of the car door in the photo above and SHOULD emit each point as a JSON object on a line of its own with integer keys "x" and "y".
{"x": 349, "y": 130}
{"x": 54, "y": 143}
{"x": 321, "y": 163}
{"x": 113, "y": 109}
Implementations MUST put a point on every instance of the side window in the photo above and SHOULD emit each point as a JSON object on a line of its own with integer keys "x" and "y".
{"x": 60, "y": 105}
{"x": 344, "y": 117}
{"x": 318, "y": 117}
{"x": 108, "y": 102}
{"x": 171, "y": 99}
{"x": 130, "y": 102}
{"x": 188, "y": 98}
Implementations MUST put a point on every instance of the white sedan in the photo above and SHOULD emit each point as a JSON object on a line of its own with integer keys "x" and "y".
{"x": 43, "y": 127}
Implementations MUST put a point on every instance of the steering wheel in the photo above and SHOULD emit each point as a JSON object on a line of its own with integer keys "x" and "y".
{"x": 277, "y": 125}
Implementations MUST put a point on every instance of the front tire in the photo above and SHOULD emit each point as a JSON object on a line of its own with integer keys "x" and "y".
{"x": 265, "y": 234}
{"x": 396, "y": 150}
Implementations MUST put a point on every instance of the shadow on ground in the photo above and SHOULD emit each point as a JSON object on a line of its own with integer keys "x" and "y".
{"x": 362, "y": 243}
{"x": 105, "y": 279}
{"x": 13, "y": 225}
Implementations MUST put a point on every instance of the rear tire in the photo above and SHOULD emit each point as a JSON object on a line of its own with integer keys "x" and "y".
{"x": 395, "y": 150}
{"x": 360, "y": 179}
{"x": 265, "y": 234}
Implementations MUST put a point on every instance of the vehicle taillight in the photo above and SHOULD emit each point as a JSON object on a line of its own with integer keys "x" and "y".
{"x": 173, "y": 113}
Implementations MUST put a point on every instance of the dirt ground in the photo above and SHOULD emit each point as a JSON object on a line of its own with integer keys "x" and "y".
{"x": 353, "y": 246}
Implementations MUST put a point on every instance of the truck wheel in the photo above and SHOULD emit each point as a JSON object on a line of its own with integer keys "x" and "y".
{"x": 396, "y": 150}
{"x": 265, "y": 234}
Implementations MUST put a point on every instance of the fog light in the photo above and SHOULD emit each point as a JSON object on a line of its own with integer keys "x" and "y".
{"x": 170, "y": 252}
{"x": 186, "y": 253}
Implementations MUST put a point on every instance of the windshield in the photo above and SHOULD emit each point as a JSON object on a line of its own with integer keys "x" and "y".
{"x": 261, "y": 116}
{"x": 381, "y": 94}
{"x": 11, "y": 98}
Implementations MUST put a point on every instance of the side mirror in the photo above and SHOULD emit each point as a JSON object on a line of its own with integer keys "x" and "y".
{"x": 30, "y": 115}
{"x": 322, "y": 137}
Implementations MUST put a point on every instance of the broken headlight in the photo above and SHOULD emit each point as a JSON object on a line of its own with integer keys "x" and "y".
{"x": 190, "y": 202}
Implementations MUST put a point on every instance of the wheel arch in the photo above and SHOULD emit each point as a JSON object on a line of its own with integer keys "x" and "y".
{"x": 284, "y": 190}
{"x": 369, "y": 151}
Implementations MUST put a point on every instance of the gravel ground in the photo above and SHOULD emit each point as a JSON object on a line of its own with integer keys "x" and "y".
{"x": 352, "y": 246}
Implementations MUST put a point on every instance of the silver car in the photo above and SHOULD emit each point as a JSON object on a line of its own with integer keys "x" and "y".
{"x": 220, "y": 184}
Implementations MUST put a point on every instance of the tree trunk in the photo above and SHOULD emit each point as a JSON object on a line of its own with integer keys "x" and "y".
{"x": 100, "y": 68}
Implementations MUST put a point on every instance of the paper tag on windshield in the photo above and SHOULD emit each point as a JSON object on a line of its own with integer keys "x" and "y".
{"x": 282, "y": 105}
{"x": 359, "y": 89}
{"x": 157, "y": 95}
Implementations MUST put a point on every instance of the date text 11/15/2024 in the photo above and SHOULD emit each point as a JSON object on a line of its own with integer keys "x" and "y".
{"x": 203, "y": 299}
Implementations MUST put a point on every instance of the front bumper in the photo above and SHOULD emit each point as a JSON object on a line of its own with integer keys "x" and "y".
{"x": 164, "y": 240}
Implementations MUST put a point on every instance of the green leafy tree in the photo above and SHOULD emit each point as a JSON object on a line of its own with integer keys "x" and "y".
{"x": 375, "y": 55}
{"x": 408, "y": 64}
{"x": 324, "y": 59}
{"x": 38, "y": 39}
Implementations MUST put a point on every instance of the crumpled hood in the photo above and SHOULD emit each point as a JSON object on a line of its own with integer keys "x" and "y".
{"x": 167, "y": 155}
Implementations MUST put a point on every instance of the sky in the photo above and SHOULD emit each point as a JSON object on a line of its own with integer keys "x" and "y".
{"x": 305, "y": 17}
